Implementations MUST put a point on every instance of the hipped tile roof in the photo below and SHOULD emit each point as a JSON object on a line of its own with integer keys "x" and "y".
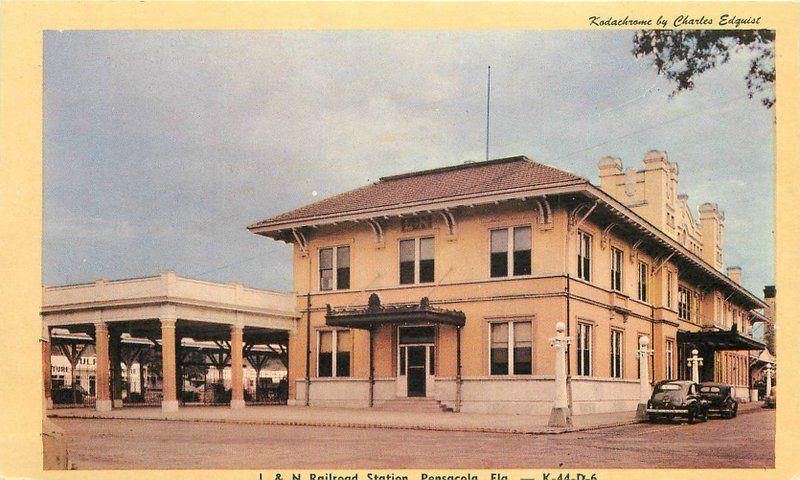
{"x": 429, "y": 185}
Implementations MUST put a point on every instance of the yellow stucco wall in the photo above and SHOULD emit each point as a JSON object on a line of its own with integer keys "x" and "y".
{"x": 462, "y": 282}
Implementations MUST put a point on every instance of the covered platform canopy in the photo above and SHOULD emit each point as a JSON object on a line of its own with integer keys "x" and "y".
{"x": 165, "y": 310}
{"x": 720, "y": 340}
{"x": 709, "y": 342}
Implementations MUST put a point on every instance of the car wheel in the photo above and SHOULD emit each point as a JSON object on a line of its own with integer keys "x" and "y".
{"x": 692, "y": 417}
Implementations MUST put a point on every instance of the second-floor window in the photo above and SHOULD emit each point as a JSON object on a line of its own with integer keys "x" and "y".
{"x": 584, "y": 349}
{"x": 416, "y": 261}
{"x": 514, "y": 337}
{"x": 510, "y": 252}
{"x": 695, "y": 307}
{"x": 616, "y": 353}
{"x": 334, "y": 268}
{"x": 584, "y": 256}
{"x": 670, "y": 286}
{"x": 616, "y": 269}
{"x": 643, "y": 274}
{"x": 684, "y": 303}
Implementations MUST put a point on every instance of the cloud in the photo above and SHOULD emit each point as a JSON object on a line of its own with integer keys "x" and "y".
{"x": 160, "y": 147}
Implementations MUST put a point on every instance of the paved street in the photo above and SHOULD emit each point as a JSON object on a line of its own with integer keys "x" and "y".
{"x": 746, "y": 441}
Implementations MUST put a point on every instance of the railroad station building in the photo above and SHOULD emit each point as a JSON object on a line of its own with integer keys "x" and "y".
{"x": 444, "y": 286}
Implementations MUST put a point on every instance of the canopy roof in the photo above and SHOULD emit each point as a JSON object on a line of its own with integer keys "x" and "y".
{"x": 376, "y": 314}
{"x": 720, "y": 340}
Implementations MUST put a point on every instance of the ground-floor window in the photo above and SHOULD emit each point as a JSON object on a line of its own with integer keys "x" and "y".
{"x": 669, "y": 359}
{"x": 638, "y": 357}
{"x": 515, "y": 337}
{"x": 616, "y": 353}
{"x": 334, "y": 351}
{"x": 584, "y": 349}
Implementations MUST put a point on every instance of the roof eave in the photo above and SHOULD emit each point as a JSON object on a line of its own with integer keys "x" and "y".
{"x": 672, "y": 243}
{"x": 274, "y": 229}
{"x": 267, "y": 227}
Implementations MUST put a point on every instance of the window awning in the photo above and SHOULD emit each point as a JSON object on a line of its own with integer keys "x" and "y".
{"x": 720, "y": 340}
{"x": 376, "y": 314}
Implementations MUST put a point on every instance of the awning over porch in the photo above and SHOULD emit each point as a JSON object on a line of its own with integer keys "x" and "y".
{"x": 720, "y": 340}
{"x": 376, "y": 314}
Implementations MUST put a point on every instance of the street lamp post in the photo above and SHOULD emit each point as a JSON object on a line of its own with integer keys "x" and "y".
{"x": 768, "y": 371}
{"x": 695, "y": 362}
{"x": 560, "y": 415}
{"x": 644, "y": 381}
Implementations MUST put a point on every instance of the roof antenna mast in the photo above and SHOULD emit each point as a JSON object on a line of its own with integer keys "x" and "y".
{"x": 488, "y": 92}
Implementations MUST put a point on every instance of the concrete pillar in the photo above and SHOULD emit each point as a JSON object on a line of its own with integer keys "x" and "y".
{"x": 170, "y": 400}
{"x": 560, "y": 415}
{"x": 695, "y": 362}
{"x": 644, "y": 381}
{"x": 102, "y": 375}
{"x": 114, "y": 356}
{"x": 46, "y": 368}
{"x": 237, "y": 389}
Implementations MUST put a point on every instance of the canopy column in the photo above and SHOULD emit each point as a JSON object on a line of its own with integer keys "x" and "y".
{"x": 237, "y": 380}
{"x": 46, "y": 368}
{"x": 102, "y": 379}
{"x": 458, "y": 369}
{"x": 114, "y": 346}
{"x": 371, "y": 366}
{"x": 170, "y": 401}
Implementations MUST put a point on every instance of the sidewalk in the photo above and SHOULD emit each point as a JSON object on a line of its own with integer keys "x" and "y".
{"x": 358, "y": 418}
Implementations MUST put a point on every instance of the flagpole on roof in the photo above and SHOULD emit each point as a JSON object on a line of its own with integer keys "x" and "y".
{"x": 488, "y": 91}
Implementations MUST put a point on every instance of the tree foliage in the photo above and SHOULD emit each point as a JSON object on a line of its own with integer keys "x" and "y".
{"x": 682, "y": 55}
{"x": 769, "y": 336}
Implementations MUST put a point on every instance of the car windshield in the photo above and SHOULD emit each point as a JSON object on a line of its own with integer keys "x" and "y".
{"x": 710, "y": 389}
{"x": 669, "y": 387}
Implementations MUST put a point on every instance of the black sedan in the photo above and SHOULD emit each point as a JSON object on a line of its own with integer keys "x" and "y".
{"x": 677, "y": 398}
{"x": 720, "y": 399}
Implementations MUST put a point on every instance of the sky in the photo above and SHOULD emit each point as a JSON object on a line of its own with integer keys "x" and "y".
{"x": 161, "y": 147}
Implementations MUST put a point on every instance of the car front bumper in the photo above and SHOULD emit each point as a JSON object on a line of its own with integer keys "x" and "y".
{"x": 678, "y": 411}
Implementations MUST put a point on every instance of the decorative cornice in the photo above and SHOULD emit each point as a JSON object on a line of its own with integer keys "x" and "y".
{"x": 158, "y": 301}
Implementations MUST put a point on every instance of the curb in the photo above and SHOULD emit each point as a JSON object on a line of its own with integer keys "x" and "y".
{"x": 295, "y": 423}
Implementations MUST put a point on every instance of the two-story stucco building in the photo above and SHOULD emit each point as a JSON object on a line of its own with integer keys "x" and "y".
{"x": 447, "y": 284}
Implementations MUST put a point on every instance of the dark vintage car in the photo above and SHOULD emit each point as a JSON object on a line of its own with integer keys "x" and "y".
{"x": 720, "y": 399}
{"x": 677, "y": 398}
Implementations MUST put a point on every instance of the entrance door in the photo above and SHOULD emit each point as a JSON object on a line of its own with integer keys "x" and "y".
{"x": 417, "y": 370}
